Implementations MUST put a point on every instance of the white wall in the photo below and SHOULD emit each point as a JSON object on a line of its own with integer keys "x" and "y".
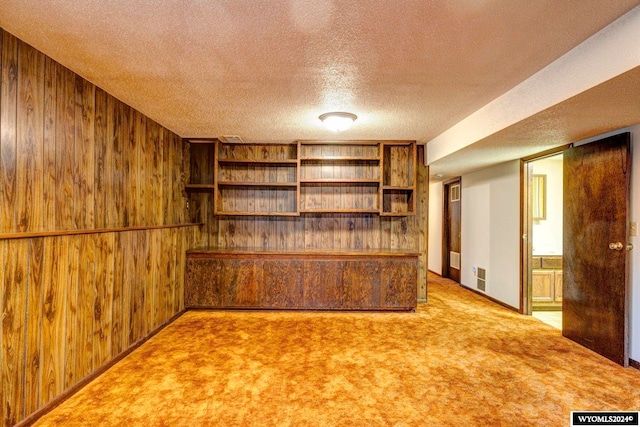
{"x": 491, "y": 230}
{"x": 547, "y": 233}
{"x": 435, "y": 227}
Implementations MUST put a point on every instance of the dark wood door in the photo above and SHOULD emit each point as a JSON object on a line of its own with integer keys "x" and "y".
{"x": 595, "y": 259}
{"x": 452, "y": 230}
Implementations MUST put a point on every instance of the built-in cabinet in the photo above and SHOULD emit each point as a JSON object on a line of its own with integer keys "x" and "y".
{"x": 306, "y": 225}
{"x": 301, "y": 279}
{"x": 315, "y": 177}
{"x": 547, "y": 282}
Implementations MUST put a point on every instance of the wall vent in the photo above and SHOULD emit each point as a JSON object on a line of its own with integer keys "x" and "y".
{"x": 454, "y": 190}
{"x": 454, "y": 260}
{"x": 482, "y": 279}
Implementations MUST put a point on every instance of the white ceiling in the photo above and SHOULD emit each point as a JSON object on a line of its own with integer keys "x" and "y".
{"x": 265, "y": 70}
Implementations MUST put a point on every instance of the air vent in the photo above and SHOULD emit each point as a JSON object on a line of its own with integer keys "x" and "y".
{"x": 454, "y": 260}
{"x": 454, "y": 190}
{"x": 482, "y": 279}
{"x": 231, "y": 138}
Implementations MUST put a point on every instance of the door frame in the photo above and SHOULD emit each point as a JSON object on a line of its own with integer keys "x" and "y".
{"x": 526, "y": 225}
{"x": 446, "y": 185}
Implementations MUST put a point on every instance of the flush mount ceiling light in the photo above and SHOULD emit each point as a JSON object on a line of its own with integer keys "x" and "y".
{"x": 338, "y": 121}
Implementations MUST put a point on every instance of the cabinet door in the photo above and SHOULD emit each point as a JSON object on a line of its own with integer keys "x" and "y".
{"x": 282, "y": 284}
{"x": 558, "y": 286}
{"x": 204, "y": 283}
{"x": 240, "y": 279}
{"x": 542, "y": 286}
{"x": 361, "y": 282}
{"x": 399, "y": 284}
{"x": 323, "y": 284}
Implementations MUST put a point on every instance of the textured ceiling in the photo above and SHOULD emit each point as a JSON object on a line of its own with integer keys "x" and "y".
{"x": 609, "y": 106}
{"x": 265, "y": 70}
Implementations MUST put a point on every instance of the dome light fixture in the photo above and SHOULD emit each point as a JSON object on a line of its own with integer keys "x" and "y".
{"x": 338, "y": 121}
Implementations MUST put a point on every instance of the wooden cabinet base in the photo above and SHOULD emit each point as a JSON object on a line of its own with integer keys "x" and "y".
{"x": 301, "y": 280}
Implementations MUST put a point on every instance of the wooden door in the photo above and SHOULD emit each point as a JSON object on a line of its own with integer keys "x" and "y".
{"x": 451, "y": 242}
{"x": 596, "y": 206}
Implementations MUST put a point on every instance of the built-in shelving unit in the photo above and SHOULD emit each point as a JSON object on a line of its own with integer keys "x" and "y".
{"x": 201, "y": 158}
{"x": 339, "y": 177}
{"x": 398, "y": 178}
{"x": 256, "y": 179}
{"x": 321, "y": 177}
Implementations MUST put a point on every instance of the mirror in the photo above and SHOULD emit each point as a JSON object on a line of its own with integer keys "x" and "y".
{"x": 539, "y": 196}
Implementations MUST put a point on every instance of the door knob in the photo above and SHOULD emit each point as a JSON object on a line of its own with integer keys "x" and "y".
{"x": 617, "y": 246}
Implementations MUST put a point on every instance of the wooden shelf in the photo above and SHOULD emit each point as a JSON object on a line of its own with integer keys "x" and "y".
{"x": 340, "y": 159}
{"x": 322, "y": 177}
{"x": 339, "y": 181}
{"x": 291, "y": 162}
{"x": 229, "y": 213}
{"x": 341, "y": 211}
{"x": 256, "y": 184}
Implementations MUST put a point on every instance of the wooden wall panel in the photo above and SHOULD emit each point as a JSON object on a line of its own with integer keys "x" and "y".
{"x": 88, "y": 259}
{"x": 29, "y": 164}
{"x": 102, "y": 309}
{"x": 73, "y": 317}
{"x": 118, "y": 342}
{"x": 8, "y": 113}
{"x": 73, "y": 157}
{"x": 49, "y": 145}
{"x": 65, "y": 120}
{"x": 421, "y": 227}
{"x": 34, "y": 326}
{"x": 84, "y": 168}
{"x": 53, "y": 321}
{"x": 14, "y": 329}
{"x": 100, "y": 149}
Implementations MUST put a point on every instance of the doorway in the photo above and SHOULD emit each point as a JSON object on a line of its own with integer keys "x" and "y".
{"x": 545, "y": 176}
{"x": 588, "y": 278}
{"x": 452, "y": 228}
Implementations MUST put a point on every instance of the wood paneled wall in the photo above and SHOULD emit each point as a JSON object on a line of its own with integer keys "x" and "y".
{"x": 319, "y": 231}
{"x": 72, "y": 157}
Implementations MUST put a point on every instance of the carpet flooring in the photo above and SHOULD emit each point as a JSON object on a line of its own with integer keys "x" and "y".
{"x": 459, "y": 360}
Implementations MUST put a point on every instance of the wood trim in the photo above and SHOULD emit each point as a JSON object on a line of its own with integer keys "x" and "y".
{"x": 35, "y": 416}
{"x": 634, "y": 363}
{"x": 358, "y": 141}
{"x": 547, "y": 153}
{"x": 34, "y": 234}
{"x": 241, "y": 252}
{"x": 490, "y": 298}
{"x": 525, "y": 306}
{"x": 201, "y": 140}
{"x": 446, "y": 186}
{"x": 526, "y": 224}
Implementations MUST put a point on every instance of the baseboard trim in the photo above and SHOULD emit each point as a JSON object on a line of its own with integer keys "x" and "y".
{"x": 35, "y": 416}
{"x": 433, "y": 272}
{"x": 634, "y": 363}
{"x": 503, "y": 304}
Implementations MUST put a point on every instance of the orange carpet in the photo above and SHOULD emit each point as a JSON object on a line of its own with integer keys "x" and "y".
{"x": 459, "y": 360}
